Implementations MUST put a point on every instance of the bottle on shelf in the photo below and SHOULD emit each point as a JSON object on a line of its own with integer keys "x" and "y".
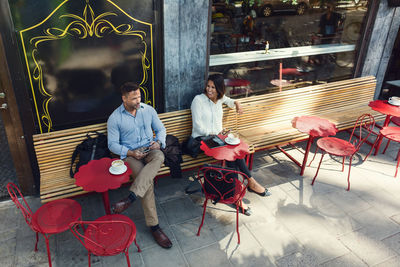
{"x": 266, "y": 47}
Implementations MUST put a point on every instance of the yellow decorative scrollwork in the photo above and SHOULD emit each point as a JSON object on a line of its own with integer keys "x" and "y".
{"x": 86, "y": 26}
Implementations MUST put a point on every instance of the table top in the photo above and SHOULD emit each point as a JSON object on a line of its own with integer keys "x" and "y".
{"x": 384, "y": 107}
{"x": 227, "y": 152}
{"x": 95, "y": 176}
{"x": 314, "y": 126}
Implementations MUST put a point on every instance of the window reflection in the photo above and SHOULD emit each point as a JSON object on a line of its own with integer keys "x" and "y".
{"x": 240, "y": 26}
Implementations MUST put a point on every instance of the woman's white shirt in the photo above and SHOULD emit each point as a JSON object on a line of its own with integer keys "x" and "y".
{"x": 207, "y": 115}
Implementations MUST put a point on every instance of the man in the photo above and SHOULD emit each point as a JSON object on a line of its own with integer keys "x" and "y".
{"x": 130, "y": 135}
{"x": 329, "y": 24}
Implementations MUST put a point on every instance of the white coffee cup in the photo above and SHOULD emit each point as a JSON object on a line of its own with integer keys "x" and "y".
{"x": 395, "y": 100}
{"x": 231, "y": 136}
{"x": 117, "y": 165}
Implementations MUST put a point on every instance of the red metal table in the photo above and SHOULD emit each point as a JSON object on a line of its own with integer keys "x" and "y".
{"x": 315, "y": 127}
{"x": 227, "y": 152}
{"x": 95, "y": 176}
{"x": 382, "y": 106}
{"x": 237, "y": 83}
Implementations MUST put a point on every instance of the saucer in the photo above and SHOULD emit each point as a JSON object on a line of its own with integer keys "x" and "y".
{"x": 112, "y": 171}
{"x": 232, "y": 141}
{"x": 394, "y": 103}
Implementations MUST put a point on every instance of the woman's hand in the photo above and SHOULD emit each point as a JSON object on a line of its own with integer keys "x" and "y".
{"x": 238, "y": 107}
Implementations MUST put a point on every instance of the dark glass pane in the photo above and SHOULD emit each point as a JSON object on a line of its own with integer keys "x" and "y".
{"x": 78, "y": 53}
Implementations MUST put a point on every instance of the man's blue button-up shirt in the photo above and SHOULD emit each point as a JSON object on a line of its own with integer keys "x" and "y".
{"x": 127, "y": 132}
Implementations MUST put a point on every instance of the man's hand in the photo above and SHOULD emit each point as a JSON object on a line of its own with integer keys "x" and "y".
{"x": 137, "y": 154}
{"x": 155, "y": 145}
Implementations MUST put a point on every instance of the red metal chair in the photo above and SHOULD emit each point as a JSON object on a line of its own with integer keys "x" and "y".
{"x": 107, "y": 236}
{"x": 52, "y": 218}
{"x": 222, "y": 185}
{"x": 395, "y": 120}
{"x": 342, "y": 148}
{"x": 392, "y": 133}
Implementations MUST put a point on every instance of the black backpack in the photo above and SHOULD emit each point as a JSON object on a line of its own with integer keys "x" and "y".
{"x": 90, "y": 148}
{"x": 213, "y": 181}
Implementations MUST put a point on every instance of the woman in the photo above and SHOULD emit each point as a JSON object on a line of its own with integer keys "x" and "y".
{"x": 207, "y": 120}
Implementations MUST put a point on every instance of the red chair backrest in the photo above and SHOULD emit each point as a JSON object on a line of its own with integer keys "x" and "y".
{"x": 358, "y": 136}
{"x": 104, "y": 238}
{"x": 20, "y": 202}
{"x": 223, "y": 184}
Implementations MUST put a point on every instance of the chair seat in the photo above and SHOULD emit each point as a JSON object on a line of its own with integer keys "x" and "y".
{"x": 396, "y": 120}
{"x": 336, "y": 146}
{"x": 392, "y": 133}
{"x": 55, "y": 217}
{"x": 113, "y": 237}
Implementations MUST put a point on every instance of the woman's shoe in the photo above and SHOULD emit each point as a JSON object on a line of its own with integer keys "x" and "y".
{"x": 266, "y": 193}
{"x": 246, "y": 212}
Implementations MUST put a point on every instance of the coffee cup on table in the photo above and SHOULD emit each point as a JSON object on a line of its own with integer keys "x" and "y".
{"x": 394, "y": 100}
{"x": 117, "y": 165}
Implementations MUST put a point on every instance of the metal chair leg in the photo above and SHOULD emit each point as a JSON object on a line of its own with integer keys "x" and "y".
{"x": 386, "y": 147}
{"x": 89, "y": 259}
{"x": 315, "y": 153}
{"x": 398, "y": 161}
{"x": 319, "y": 165}
{"x": 202, "y": 219}
{"x": 348, "y": 176}
{"x": 48, "y": 249}
{"x": 138, "y": 248}
{"x": 37, "y": 240}
{"x": 237, "y": 221}
{"x": 343, "y": 164}
{"x": 127, "y": 258}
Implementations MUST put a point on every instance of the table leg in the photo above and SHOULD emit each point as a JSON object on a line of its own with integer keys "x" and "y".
{"x": 280, "y": 76}
{"x": 380, "y": 137}
{"x": 303, "y": 166}
{"x": 106, "y": 202}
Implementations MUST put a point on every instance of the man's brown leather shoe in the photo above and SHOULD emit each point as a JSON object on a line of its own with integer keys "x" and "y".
{"x": 121, "y": 205}
{"x": 161, "y": 238}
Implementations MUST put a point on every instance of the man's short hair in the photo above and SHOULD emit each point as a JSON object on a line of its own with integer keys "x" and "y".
{"x": 128, "y": 87}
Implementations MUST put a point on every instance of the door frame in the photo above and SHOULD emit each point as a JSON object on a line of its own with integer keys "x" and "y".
{"x": 13, "y": 128}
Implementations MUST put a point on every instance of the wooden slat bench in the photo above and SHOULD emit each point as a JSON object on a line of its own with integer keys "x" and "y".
{"x": 266, "y": 123}
{"x": 54, "y": 151}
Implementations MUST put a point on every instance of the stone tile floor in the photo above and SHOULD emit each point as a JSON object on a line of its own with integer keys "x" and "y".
{"x": 299, "y": 225}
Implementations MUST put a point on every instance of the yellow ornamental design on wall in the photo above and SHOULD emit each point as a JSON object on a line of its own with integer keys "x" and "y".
{"x": 81, "y": 26}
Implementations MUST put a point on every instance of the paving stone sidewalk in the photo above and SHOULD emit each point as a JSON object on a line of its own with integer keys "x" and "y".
{"x": 299, "y": 225}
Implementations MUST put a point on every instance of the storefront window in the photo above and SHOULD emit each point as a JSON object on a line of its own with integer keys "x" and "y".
{"x": 262, "y": 46}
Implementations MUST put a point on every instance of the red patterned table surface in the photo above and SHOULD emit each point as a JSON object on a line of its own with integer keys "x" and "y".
{"x": 227, "y": 152}
{"x": 384, "y": 107}
{"x": 95, "y": 176}
{"x": 314, "y": 126}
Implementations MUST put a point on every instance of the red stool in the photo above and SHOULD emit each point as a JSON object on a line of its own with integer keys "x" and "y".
{"x": 395, "y": 120}
{"x": 238, "y": 83}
